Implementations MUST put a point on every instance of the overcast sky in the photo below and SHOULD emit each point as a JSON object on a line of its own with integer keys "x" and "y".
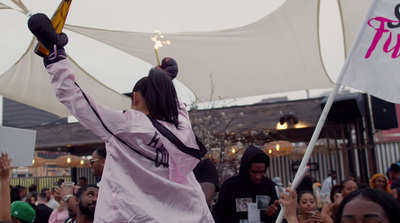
{"x": 146, "y": 16}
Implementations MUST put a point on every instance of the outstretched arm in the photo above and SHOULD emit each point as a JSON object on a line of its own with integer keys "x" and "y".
{"x": 5, "y": 201}
{"x": 63, "y": 80}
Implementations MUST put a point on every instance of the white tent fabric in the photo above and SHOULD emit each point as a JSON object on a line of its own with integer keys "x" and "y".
{"x": 278, "y": 53}
{"x": 28, "y": 82}
{"x": 353, "y": 13}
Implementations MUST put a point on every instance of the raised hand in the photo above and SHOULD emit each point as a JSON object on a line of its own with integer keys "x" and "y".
{"x": 40, "y": 25}
{"x": 5, "y": 163}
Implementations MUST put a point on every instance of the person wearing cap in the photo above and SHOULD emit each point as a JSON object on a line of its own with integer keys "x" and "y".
{"x": 249, "y": 186}
{"x": 147, "y": 177}
{"x": 22, "y": 212}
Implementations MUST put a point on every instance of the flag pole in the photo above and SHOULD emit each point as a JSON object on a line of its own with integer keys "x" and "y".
{"x": 328, "y": 105}
{"x": 312, "y": 143}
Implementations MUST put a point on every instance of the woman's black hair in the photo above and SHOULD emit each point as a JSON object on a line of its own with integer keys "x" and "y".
{"x": 305, "y": 192}
{"x": 14, "y": 194}
{"x": 335, "y": 189}
{"x": 385, "y": 200}
{"x": 160, "y": 95}
{"x": 343, "y": 183}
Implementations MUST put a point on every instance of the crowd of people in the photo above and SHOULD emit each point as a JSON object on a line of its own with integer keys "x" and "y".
{"x": 349, "y": 201}
{"x": 33, "y": 206}
{"x": 245, "y": 197}
{"x": 150, "y": 169}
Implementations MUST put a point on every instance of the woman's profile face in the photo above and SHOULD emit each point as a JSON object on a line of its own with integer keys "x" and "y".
{"x": 307, "y": 203}
{"x": 361, "y": 210}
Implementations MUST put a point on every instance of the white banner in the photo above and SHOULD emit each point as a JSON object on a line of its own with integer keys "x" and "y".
{"x": 19, "y": 144}
{"x": 373, "y": 64}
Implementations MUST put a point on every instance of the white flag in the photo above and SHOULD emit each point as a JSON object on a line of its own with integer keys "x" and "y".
{"x": 373, "y": 64}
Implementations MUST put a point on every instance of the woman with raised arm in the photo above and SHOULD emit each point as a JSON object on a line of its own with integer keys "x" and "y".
{"x": 151, "y": 148}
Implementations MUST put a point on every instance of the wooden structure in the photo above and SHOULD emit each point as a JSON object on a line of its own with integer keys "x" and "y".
{"x": 346, "y": 142}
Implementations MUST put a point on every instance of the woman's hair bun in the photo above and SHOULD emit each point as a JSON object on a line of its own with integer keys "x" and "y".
{"x": 170, "y": 66}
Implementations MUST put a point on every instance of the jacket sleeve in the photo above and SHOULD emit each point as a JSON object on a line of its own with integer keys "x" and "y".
{"x": 85, "y": 110}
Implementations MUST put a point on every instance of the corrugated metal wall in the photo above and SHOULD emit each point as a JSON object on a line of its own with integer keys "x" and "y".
{"x": 386, "y": 154}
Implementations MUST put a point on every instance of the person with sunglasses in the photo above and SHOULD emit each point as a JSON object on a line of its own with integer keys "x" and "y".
{"x": 97, "y": 162}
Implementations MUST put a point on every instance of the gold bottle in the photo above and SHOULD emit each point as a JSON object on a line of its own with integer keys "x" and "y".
{"x": 58, "y": 21}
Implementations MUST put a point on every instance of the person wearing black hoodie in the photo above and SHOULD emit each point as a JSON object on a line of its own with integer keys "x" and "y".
{"x": 249, "y": 186}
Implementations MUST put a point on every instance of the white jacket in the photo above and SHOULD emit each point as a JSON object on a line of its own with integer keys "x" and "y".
{"x": 133, "y": 189}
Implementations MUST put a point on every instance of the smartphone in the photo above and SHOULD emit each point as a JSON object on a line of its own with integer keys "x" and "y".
{"x": 56, "y": 184}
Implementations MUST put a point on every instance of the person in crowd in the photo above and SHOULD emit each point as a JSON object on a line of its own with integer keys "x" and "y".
{"x": 32, "y": 198}
{"x": 329, "y": 182}
{"x": 22, "y": 192}
{"x": 60, "y": 214}
{"x": 22, "y": 212}
{"x": 147, "y": 177}
{"x": 32, "y": 188}
{"x": 334, "y": 195}
{"x": 249, "y": 186}
{"x": 55, "y": 195}
{"x": 68, "y": 196}
{"x": 97, "y": 162}
{"x": 306, "y": 184}
{"x": 51, "y": 202}
{"x": 15, "y": 194}
{"x": 394, "y": 175}
{"x": 207, "y": 175}
{"x": 396, "y": 194}
{"x": 43, "y": 211}
{"x": 368, "y": 205}
{"x": 71, "y": 216}
{"x": 307, "y": 204}
{"x": 86, "y": 201}
{"x": 346, "y": 187}
{"x": 379, "y": 181}
{"x": 82, "y": 181}
{"x": 18, "y": 211}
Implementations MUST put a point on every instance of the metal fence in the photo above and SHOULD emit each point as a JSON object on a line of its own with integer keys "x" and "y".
{"x": 385, "y": 153}
{"x": 48, "y": 182}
